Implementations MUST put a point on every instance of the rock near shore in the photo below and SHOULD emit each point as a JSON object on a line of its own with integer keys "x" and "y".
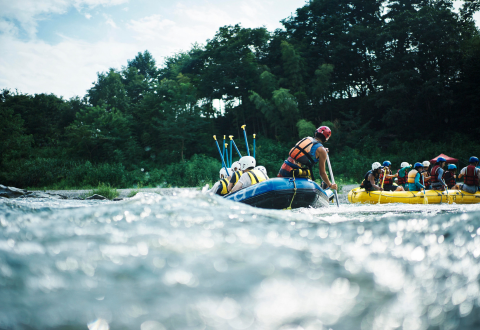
{"x": 12, "y": 192}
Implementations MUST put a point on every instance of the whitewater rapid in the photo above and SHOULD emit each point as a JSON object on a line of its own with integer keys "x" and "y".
{"x": 192, "y": 261}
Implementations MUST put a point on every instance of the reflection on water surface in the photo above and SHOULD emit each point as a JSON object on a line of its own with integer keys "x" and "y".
{"x": 198, "y": 262}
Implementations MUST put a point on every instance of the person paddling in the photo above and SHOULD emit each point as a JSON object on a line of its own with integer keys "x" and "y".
{"x": 305, "y": 154}
{"x": 451, "y": 177}
{"x": 371, "y": 178}
{"x": 436, "y": 176}
{"x": 472, "y": 176}
{"x": 426, "y": 175}
{"x": 403, "y": 175}
{"x": 388, "y": 181}
{"x": 415, "y": 177}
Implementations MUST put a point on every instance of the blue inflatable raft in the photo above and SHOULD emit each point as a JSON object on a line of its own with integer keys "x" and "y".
{"x": 282, "y": 193}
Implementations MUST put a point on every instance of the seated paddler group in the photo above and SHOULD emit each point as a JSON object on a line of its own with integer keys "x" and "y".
{"x": 423, "y": 176}
{"x": 301, "y": 162}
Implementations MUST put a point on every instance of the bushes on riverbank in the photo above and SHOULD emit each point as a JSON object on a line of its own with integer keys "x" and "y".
{"x": 349, "y": 165}
{"x": 53, "y": 173}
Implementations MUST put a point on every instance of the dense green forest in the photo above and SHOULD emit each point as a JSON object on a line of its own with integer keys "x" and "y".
{"x": 397, "y": 80}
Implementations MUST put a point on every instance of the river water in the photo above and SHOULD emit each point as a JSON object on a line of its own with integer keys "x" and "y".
{"x": 192, "y": 261}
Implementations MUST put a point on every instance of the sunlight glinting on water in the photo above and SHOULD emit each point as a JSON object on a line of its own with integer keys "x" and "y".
{"x": 192, "y": 261}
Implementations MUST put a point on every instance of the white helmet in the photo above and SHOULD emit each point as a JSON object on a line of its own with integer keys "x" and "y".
{"x": 247, "y": 162}
{"x": 404, "y": 164}
{"x": 236, "y": 166}
{"x": 426, "y": 163}
{"x": 224, "y": 174}
{"x": 261, "y": 169}
{"x": 376, "y": 165}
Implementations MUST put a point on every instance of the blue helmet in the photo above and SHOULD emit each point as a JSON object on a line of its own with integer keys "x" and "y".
{"x": 473, "y": 159}
{"x": 418, "y": 165}
{"x": 452, "y": 167}
{"x": 441, "y": 159}
{"x": 387, "y": 163}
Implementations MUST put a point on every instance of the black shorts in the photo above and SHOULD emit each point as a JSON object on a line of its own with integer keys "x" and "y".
{"x": 389, "y": 187}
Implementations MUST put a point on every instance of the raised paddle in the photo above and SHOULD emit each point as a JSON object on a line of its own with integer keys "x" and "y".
{"x": 383, "y": 181}
{"x": 221, "y": 156}
{"x": 254, "y": 145}
{"x": 238, "y": 152}
{"x": 333, "y": 179}
{"x": 246, "y": 141}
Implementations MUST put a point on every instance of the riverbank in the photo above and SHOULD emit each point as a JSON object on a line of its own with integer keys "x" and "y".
{"x": 123, "y": 193}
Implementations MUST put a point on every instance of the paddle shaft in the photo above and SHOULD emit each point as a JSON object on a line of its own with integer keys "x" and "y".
{"x": 383, "y": 181}
{"x": 238, "y": 152}
{"x": 333, "y": 179}
{"x": 221, "y": 156}
{"x": 246, "y": 141}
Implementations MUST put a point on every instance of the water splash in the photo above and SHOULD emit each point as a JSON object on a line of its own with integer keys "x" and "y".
{"x": 194, "y": 261}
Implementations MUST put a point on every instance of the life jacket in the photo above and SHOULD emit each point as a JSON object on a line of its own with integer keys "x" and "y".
{"x": 471, "y": 179}
{"x": 401, "y": 180}
{"x": 450, "y": 179}
{"x": 386, "y": 181}
{"x": 303, "y": 153}
{"x": 256, "y": 176}
{"x": 366, "y": 183}
{"x": 301, "y": 159}
{"x": 426, "y": 182}
{"x": 235, "y": 177}
{"x": 411, "y": 176}
{"x": 222, "y": 188}
{"x": 434, "y": 174}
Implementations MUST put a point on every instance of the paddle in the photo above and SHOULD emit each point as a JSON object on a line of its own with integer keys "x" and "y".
{"x": 231, "y": 150}
{"x": 228, "y": 161}
{"x": 221, "y": 156}
{"x": 384, "y": 171}
{"x": 333, "y": 179}
{"x": 254, "y": 145}
{"x": 425, "y": 200}
{"x": 246, "y": 141}
{"x": 446, "y": 189}
{"x": 235, "y": 145}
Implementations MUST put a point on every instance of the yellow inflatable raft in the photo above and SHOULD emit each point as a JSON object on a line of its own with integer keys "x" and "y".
{"x": 359, "y": 195}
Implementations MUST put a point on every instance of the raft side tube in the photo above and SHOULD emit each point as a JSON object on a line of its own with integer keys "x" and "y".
{"x": 359, "y": 195}
{"x": 279, "y": 193}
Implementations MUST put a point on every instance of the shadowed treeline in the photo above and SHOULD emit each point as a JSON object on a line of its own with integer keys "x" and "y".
{"x": 395, "y": 80}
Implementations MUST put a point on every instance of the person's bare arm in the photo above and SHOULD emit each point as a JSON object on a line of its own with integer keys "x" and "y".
{"x": 371, "y": 178}
{"x": 321, "y": 154}
{"x": 238, "y": 186}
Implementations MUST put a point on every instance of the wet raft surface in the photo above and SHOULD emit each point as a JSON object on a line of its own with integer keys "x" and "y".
{"x": 199, "y": 262}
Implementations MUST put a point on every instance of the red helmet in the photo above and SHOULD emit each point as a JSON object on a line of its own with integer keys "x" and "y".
{"x": 325, "y": 131}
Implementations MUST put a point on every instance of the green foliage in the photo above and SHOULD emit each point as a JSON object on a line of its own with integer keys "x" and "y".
{"x": 386, "y": 76}
{"x": 105, "y": 190}
{"x": 305, "y": 128}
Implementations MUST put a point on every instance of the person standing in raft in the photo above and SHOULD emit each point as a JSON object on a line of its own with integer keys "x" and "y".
{"x": 436, "y": 176}
{"x": 251, "y": 174}
{"x": 414, "y": 178}
{"x": 472, "y": 176}
{"x": 403, "y": 174}
{"x": 388, "y": 183}
{"x": 305, "y": 154}
{"x": 371, "y": 178}
{"x": 451, "y": 177}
